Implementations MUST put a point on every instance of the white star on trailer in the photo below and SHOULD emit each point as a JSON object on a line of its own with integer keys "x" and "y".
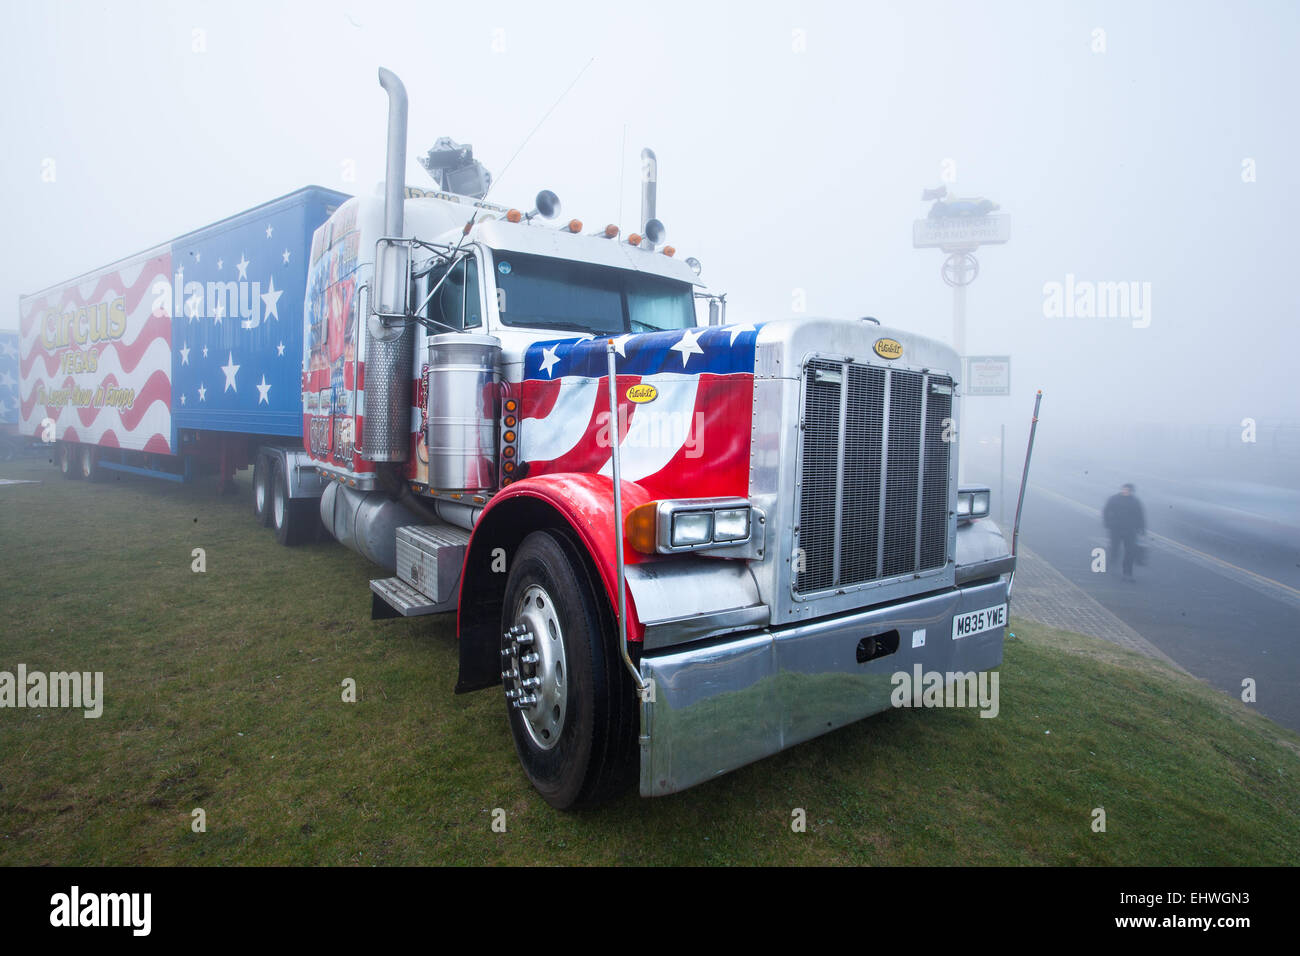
{"x": 205, "y": 351}
{"x": 203, "y": 392}
{"x": 269, "y": 230}
{"x": 549, "y": 360}
{"x": 270, "y": 299}
{"x": 279, "y": 349}
{"x": 185, "y": 355}
{"x": 182, "y": 398}
{"x": 242, "y": 266}
{"x": 262, "y": 389}
{"x": 220, "y": 313}
{"x": 286, "y": 257}
{"x": 229, "y": 369}
{"x": 688, "y": 346}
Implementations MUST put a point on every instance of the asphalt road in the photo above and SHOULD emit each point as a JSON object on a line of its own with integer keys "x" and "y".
{"x": 1220, "y": 593}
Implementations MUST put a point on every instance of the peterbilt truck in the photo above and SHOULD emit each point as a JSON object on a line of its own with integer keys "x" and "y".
{"x": 678, "y": 545}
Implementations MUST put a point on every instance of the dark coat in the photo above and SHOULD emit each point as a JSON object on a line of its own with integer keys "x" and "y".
{"x": 1123, "y": 513}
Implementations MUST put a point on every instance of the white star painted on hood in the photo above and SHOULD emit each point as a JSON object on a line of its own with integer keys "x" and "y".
{"x": 270, "y": 299}
{"x": 242, "y": 266}
{"x": 737, "y": 330}
{"x": 620, "y": 342}
{"x": 549, "y": 360}
{"x": 262, "y": 389}
{"x": 229, "y": 369}
{"x": 688, "y": 346}
{"x": 185, "y": 355}
{"x": 203, "y": 392}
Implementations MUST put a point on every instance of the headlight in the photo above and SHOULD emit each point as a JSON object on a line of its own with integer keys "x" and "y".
{"x": 692, "y": 529}
{"x": 973, "y": 502}
{"x": 688, "y": 524}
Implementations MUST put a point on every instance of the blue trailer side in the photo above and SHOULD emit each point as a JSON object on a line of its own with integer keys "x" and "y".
{"x": 237, "y": 318}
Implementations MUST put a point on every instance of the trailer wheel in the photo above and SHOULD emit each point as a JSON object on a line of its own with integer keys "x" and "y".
{"x": 294, "y": 520}
{"x": 88, "y": 460}
{"x": 569, "y": 700}
{"x": 262, "y": 490}
{"x": 68, "y": 466}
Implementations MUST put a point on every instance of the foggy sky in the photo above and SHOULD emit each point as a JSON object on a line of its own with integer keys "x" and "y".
{"x": 793, "y": 142}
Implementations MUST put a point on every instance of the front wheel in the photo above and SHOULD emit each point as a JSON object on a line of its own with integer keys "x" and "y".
{"x": 569, "y": 699}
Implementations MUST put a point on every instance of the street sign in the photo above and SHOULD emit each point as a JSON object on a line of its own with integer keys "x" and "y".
{"x": 988, "y": 375}
{"x": 973, "y": 231}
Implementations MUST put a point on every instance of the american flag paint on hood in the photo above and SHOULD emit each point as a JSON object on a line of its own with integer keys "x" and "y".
{"x": 687, "y": 434}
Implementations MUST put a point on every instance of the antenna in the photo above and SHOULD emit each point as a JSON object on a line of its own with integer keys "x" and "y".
{"x": 469, "y": 225}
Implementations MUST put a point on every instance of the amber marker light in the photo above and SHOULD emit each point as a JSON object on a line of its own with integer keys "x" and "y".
{"x": 633, "y": 239}
{"x": 514, "y": 215}
{"x": 575, "y": 225}
{"x": 639, "y": 527}
{"x": 670, "y": 251}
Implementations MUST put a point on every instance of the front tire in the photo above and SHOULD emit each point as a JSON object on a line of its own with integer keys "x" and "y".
{"x": 569, "y": 699}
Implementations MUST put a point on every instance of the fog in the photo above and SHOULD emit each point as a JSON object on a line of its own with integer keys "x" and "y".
{"x": 1149, "y": 144}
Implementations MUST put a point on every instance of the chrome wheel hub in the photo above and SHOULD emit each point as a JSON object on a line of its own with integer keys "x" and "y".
{"x": 535, "y": 672}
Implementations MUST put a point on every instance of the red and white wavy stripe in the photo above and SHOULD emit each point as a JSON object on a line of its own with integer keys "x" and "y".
{"x": 141, "y": 359}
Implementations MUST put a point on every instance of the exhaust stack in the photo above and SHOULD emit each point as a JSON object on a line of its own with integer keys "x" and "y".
{"x": 386, "y": 434}
{"x": 649, "y": 190}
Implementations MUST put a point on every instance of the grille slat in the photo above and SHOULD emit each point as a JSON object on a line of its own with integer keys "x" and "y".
{"x": 878, "y": 535}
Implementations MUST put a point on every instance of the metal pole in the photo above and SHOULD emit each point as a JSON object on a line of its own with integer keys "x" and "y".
{"x": 1002, "y": 477}
{"x": 959, "y": 323}
{"x": 1024, "y": 477}
{"x": 614, "y": 439}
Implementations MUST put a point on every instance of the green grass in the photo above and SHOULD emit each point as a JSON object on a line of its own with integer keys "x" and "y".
{"x": 223, "y": 691}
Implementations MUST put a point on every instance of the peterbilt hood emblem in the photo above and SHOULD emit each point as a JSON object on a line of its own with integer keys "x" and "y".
{"x": 888, "y": 348}
{"x": 641, "y": 394}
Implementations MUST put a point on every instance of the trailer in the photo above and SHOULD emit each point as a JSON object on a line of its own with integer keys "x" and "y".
{"x": 677, "y": 543}
{"x": 181, "y": 358}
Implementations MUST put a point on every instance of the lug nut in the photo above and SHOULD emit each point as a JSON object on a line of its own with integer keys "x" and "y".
{"x": 532, "y": 658}
{"x": 531, "y": 682}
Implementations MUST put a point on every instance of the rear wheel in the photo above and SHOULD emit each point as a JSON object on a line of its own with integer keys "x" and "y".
{"x": 569, "y": 699}
{"x": 294, "y": 520}
{"x": 88, "y": 461}
{"x": 68, "y": 465}
{"x": 262, "y": 490}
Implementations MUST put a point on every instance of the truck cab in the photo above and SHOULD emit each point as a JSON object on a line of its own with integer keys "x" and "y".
{"x": 787, "y": 532}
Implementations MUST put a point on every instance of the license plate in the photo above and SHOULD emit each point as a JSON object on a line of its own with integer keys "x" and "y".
{"x": 977, "y": 622}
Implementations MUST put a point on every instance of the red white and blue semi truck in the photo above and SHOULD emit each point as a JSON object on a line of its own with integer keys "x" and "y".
{"x": 679, "y": 547}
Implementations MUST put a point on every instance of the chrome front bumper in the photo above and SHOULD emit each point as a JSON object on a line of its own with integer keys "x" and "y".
{"x": 717, "y": 707}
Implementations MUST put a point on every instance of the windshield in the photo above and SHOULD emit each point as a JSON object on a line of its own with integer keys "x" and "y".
{"x": 538, "y": 292}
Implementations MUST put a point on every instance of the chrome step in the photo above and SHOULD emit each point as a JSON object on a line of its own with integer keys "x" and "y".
{"x": 393, "y": 597}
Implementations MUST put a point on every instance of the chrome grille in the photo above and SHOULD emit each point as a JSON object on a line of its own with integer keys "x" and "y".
{"x": 873, "y": 491}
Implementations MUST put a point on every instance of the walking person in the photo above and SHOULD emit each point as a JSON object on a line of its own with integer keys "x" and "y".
{"x": 1124, "y": 520}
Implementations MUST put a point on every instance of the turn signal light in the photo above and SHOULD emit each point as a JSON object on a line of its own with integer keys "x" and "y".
{"x": 640, "y": 526}
{"x": 514, "y": 215}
